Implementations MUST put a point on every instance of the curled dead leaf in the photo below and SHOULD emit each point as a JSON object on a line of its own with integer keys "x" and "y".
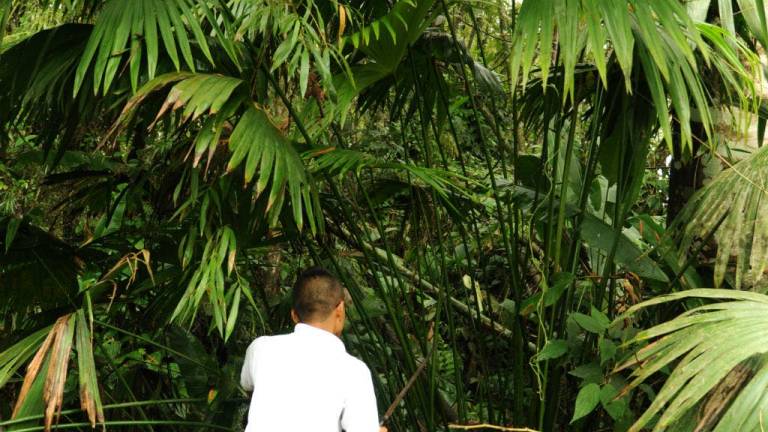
{"x": 57, "y": 347}
{"x": 342, "y": 20}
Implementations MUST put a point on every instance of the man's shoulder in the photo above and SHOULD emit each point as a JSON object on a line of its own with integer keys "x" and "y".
{"x": 267, "y": 341}
{"x": 355, "y": 365}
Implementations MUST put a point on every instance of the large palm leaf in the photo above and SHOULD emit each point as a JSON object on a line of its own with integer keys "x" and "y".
{"x": 717, "y": 353}
{"x": 36, "y": 76}
{"x": 753, "y": 12}
{"x": 124, "y": 26}
{"x": 255, "y": 140}
{"x": 385, "y": 43}
{"x": 732, "y": 209}
{"x": 662, "y": 36}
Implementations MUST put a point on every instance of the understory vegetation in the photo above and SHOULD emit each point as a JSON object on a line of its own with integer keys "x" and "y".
{"x": 558, "y": 205}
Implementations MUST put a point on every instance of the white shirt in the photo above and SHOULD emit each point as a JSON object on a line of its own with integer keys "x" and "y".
{"x": 306, "y": 382}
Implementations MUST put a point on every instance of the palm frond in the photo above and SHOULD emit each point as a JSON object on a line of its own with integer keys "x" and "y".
{"x": 255, "y": 140}
{"x": 662, "y": 36}
{"x": 209, "y": 280}
{"x": 124, "y": 26}
{"x": 387, "y": 39}
{"x": 264, "y": 148}
{"x": 47, "y": 372}
{"x": 705, "y": 346}
{"x": 36, "y": 75}
{"x": 733, "y": 207}
{"x": 302, "y": 42}
{"x": 385, "y": 43}
{"x": 339, "y": 162}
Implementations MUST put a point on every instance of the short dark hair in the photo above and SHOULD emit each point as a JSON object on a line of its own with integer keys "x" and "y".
{"x": 315, "y": 294}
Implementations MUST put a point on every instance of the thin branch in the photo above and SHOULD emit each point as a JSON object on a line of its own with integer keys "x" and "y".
{"x": 484, "y": 320}
{"x": 400, "y": 396}
{"x": 490, "y": 426}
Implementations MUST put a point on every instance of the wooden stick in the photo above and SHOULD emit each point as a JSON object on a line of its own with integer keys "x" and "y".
{"x": 489, "y": 426}
{"x": 404, "y": 391}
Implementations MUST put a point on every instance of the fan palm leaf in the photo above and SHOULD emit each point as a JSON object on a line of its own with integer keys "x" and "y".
{"x": 704, "y": 346}
{"x": 732, "y": 209}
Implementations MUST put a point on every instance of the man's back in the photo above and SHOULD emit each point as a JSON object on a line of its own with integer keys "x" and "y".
{"x": 306, "y": 382}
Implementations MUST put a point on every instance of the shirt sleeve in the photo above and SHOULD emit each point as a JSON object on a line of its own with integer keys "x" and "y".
{"x": 360, "y": 412}
{"x": 246, "y": 375}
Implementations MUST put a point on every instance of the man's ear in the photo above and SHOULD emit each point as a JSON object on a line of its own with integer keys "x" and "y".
{"x": 295, "y": 316}
{"x": 340, "y": 308}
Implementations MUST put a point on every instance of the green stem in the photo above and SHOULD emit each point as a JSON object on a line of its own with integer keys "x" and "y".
{"x": 158, "y": 345}
{"x": 518, "y": 339}
{"x": 118, "y": 406}
{"x": 132, "y": 423}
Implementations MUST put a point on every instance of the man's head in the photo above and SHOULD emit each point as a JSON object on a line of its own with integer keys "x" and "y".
{"x": 318, "y": 300}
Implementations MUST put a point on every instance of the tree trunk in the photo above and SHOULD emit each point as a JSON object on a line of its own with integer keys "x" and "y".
{"x": 272, "y": 273}
{"x": 686, "y": 175}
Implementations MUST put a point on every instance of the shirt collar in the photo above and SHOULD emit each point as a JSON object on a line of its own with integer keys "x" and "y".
{"x": 320, "y": 334}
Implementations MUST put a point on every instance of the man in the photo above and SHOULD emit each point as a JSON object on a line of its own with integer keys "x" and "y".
{"x": 305, "y": 381}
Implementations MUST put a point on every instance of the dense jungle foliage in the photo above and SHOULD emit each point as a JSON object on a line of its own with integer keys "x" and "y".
{"x": 558, "y": 205}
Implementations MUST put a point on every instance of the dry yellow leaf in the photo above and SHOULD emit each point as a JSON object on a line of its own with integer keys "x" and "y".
{"x": 342, "y": 19}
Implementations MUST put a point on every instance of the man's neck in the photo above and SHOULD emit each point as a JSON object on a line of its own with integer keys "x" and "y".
{"x": 322, "y": 325}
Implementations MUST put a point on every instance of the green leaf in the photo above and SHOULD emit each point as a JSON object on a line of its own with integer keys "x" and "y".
{"x": 304, "y": 72}
{"x": 600, "y": 317}
{"x": 586, "y": 401}
{"x": 232, "y": 318}
{"x": 561, "y": 282}
{"x": 588, "y": 323}
{"x": 14, "y": 357}
{"x": 607, "y": 350}
{"x": 555, "y": 348}
{"x": 123, "y": 25}
{"x": 90, "y": 397}
{"x": 281, "y": 54}
{"x": 602, "y": 236}
{"x": 589, "y": 373}
{"x": 267, "y": 151}
{"x": 10, "y": 232}
{"x": 614, "y": 408}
